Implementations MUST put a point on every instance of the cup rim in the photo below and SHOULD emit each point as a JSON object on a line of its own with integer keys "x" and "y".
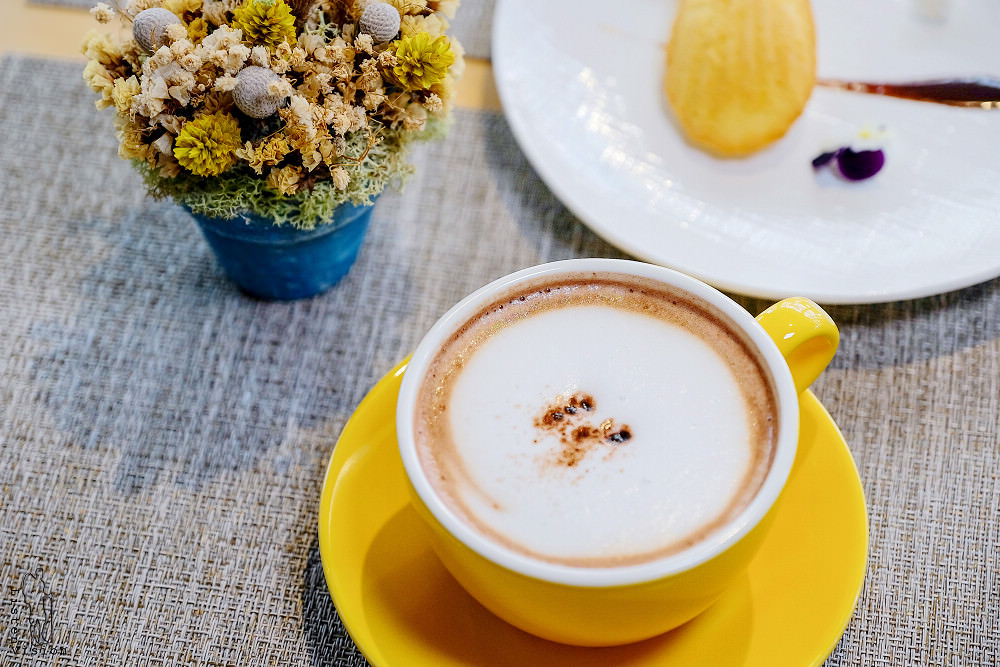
{"x": 605, "y": 576}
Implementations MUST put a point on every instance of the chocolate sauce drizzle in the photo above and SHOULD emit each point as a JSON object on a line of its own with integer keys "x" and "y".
{"x": 972, "y": 92}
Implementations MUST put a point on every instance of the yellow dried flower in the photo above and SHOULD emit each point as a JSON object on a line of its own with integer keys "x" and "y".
{"x": 216, "y": 102}
{"x": 132, "y": 144}
{"x": 409, "y": 6}
{"x": 123, "y": 92}
{"x": 306, "y": 127}
{"x": 179, "y": 7}
{"x": 285, "y": 180}
{"x": 446, "y": 7}
{"x": 206, "y": 146}
{"x": 421, "y": 61}
{"x": 265, "y": 22}
{"x": 100, "y": 81}
{"x": 100, "y": 47}
{"x": 197, "y": 30}
{"x": 434, "y": 25}
{"x": 270, "y": 152}
{"x": 135, "y": 6}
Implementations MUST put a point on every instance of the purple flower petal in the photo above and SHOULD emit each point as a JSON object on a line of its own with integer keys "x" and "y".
{"x": 859, "y": 165}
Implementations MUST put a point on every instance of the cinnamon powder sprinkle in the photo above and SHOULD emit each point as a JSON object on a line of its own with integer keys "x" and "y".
{"x": 568, "y": 420}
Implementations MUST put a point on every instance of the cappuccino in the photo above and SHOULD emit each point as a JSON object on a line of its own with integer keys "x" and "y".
{"x": 596, "y": 420}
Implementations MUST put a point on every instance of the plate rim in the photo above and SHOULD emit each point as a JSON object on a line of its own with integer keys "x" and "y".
{"x": 518, "y": 122}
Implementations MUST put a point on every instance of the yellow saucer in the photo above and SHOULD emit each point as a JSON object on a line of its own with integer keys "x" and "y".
{"x": 403, "y": 609}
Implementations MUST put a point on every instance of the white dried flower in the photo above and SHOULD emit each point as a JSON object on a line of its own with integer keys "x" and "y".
{"x": 165, "y": 144}
{"x": 312, "y": 42}
{"x": 434, "y": 103}
{"x": 225, "y": 83}
{"x": 181, "y": 47}
{"x": 176, "y": 31}
{"x": 364, "y": 42}
{"x": 214, "y": 12}
{"x": 102, "y": 13}
{"x": 280, "y": 88}
{"x": 415, "y": 117}
{"x": 235, "y": 57}
{"x": 221, "y": 38}
{"x": 170, "y": 123}
{"x": 150, "y": 100}
{"x": 191, "y": 62}
{"x": 372, "y": 100}
{"x": 259, "y": 56}
{"x": 341, "y": 179}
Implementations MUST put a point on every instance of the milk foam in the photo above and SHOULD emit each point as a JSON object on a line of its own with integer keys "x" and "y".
{"x": 686, "y": 464}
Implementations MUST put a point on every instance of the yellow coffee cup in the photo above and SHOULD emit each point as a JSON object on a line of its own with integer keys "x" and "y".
{"x": 705, "y": 414}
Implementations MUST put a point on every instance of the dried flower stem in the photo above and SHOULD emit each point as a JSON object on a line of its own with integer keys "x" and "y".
{"x": 372, "y": 140}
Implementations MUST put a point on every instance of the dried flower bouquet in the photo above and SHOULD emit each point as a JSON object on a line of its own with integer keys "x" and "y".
{"x": 283, "y": 108}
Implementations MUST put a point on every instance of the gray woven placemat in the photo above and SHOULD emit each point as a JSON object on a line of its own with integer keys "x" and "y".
{"x": 163, "y": 439}
{"x": 471, "y": 26}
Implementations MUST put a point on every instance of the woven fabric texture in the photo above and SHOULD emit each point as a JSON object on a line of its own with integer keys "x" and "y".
{"x": 471, "y": 26}
{"x": 163, "y": 438}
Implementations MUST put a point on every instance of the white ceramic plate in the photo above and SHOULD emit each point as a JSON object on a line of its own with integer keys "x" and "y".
{"x": 580, "y": 82}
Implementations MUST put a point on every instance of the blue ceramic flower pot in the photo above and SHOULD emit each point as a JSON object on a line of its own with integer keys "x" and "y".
{"x": 282, "y": 262}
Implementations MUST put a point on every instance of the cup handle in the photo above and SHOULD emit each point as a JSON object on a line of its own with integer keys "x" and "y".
{"x": 805, "y": 335}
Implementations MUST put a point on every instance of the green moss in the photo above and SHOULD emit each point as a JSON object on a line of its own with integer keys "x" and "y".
{"x": 241, "y": 189}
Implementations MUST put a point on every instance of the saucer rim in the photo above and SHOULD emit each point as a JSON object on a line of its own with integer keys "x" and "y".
{"x": 351, "y": 615}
